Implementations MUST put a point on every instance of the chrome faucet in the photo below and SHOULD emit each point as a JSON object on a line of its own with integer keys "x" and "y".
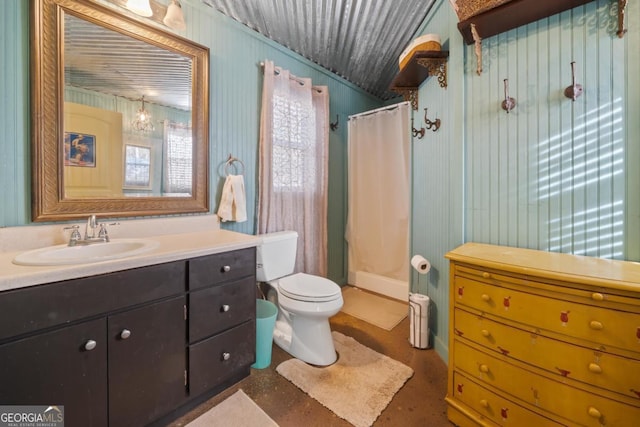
{"x": 90, "y": 229}
{"x": 89, "y": 232}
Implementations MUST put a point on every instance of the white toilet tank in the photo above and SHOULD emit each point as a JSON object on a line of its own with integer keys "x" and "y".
{"x": 276, "y": 256}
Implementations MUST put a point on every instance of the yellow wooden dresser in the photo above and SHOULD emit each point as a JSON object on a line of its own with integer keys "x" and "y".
{"x": 542, "y": 339}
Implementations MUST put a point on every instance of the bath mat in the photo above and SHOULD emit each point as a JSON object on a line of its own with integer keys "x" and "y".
{"x": 385, "y": 313}
{"x": 357, "y": 388}
{"x": 237, "y": 410}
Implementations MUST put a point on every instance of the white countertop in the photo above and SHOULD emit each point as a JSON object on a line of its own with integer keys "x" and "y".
{"x": 171, "y": 247}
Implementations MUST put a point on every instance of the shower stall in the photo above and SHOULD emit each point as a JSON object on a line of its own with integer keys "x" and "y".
{"x": 379, "y": 200}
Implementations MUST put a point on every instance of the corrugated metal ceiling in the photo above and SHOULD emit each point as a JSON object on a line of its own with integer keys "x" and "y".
{"x": 359, "y": 40}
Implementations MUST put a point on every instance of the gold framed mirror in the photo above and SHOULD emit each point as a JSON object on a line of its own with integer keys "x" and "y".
{"x": 94, "y": 73}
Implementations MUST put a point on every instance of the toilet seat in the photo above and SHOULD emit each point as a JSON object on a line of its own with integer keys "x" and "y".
{"x": 307, "y": 287}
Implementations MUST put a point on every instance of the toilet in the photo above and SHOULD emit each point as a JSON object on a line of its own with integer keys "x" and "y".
{"x": 305, "y": 302}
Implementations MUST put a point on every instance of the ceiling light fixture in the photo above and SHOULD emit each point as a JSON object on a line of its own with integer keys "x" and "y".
{"x": 143, "y": 122}
{"x": 174, "y": 17}
{"x": 140, "y": 7}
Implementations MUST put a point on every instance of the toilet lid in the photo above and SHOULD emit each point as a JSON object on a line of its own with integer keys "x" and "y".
{"x": 306, "y": 287}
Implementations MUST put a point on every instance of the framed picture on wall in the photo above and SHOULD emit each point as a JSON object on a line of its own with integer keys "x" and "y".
{"x": 79, "y": 149}
{"x": 137, "y": 167}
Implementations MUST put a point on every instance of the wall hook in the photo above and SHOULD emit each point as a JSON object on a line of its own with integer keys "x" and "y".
{"x": 509, "y": 103}
{"x": 431, "y": 125}
{"x": 417, "y": 132}
{"x": 575, "y": 90}
{"x": 334, "y": 126}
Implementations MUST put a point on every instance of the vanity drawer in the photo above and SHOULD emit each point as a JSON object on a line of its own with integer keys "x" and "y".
{"x": 218, "y": 358}
{"x": 599, "y": 325}
{"x": 556, "y": 397}
{"x": 36, "y": 307}
{"x": 493, "y": 407}
{"x": 588, "y": 365}
{"x": 216, "y": 308}
{"x": 213, "y": 269}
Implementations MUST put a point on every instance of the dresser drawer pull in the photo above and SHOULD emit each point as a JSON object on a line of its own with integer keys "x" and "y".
{"x": 484, "y": 403}
{"x": 484, "y": 369}
{"x": 90, "y": 345}
{"x": 226, "y": 356}
{"x": 486, "y": 275}
{"x": 595, "y": 368}
{"x": 485, "y": 333}
{"x": 595, "y": 325}
{"x": 125, "y": 334}
{"x": 593, "y": 412}
{"x": 596, "y": 296}
{"x": 485, "y": 297}
{"x": 226, "y": 268}
{"x": 225, "y": 307}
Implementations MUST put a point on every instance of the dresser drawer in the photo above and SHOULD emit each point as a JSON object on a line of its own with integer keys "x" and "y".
{"x": 219, "y": 358}
{"x": 493, "y": 407}
{"x": 556, "y": 397}
{"x": 216, "y": 308}
{"x": 602, "y": 326}
{"x": 590, "y": 366}
{"x": 212, "y": 269}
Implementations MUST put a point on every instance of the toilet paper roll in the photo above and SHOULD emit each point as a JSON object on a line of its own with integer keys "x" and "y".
{"x": 419, "y": 324}
{"x": 421, "y": 265}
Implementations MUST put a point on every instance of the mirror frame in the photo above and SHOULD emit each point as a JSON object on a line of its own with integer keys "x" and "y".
{"x": 47, "y": 127}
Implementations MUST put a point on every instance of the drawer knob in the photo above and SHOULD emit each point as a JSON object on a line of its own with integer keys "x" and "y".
{"x": 485, "y": 333}
{"x": 593, "y": 412}
{"x": 594, "y": 324}
{"x": 226, "y": 356}
{"x": 485, "y": 297}
{"x": 484, "y": 369}
{"x": 595, "y": 368}
{"x": 125, "y": 334}
{"x": 90, "y": 345}
{"x": 226, "y": 268}
{"x": 484, "y": 403}
{"x": 486, "y": 275}
{"x": 596, "y": 296}
{"x": 225, "y": 307}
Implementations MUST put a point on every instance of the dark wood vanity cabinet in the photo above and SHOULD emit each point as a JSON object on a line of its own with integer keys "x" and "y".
{"x": 128, "y": 348}
{"x": 222, "y": 311}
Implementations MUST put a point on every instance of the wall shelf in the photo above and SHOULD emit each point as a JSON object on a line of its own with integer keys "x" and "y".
{"x": 422, "y": 65}
{"x": 511, "y": 15}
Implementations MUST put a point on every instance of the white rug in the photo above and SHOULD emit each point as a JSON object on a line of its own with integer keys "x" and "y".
{"x": 237, "y": 410}
{"x": 357, "y": 388}
{"x": 382, "y": 312}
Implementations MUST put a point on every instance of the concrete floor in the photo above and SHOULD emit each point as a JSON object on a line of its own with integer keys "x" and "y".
{"x": 420, "y": 402}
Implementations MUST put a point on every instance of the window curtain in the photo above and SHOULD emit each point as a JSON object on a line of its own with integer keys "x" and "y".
{"x": 177, "y": 165}
{"x": 294, "y": 148}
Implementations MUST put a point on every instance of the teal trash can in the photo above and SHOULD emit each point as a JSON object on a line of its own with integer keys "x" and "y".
{"x": 266, "y": 313}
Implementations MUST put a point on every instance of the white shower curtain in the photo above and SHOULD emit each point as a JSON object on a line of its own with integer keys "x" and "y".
{"x": 378, "y": 182}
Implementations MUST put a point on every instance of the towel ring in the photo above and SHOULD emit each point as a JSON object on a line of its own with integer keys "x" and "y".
{"x": 231, "y": 160}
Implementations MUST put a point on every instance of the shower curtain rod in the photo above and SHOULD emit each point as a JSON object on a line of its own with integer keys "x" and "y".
{"x": 377, "y": 110}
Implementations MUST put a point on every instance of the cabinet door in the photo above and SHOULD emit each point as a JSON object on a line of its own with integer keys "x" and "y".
{"x": 147, "y": 362}
{"x": 61, "y": 367}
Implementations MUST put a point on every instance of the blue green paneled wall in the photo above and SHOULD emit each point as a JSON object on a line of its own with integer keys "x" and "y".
{"x": 554, "y": 174}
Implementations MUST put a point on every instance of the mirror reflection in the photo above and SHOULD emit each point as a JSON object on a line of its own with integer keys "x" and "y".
{"x": 120, "y": 115}
{"x": 120, "y": 93}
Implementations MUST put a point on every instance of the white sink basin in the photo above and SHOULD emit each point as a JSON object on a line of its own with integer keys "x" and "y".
{"x": 83, "y": 254}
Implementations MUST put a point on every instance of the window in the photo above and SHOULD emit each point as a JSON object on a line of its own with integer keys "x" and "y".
{"x": 294, "y": 145}
{"x": 178, "y": 158}
{"x": 137, "y": 167}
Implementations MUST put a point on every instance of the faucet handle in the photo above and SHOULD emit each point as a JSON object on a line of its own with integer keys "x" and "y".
{"x": 103, "y": 234}
{"x": 75, "y": 234}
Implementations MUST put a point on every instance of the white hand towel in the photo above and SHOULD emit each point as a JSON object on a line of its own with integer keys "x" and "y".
{"x": 233, "y": 204}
